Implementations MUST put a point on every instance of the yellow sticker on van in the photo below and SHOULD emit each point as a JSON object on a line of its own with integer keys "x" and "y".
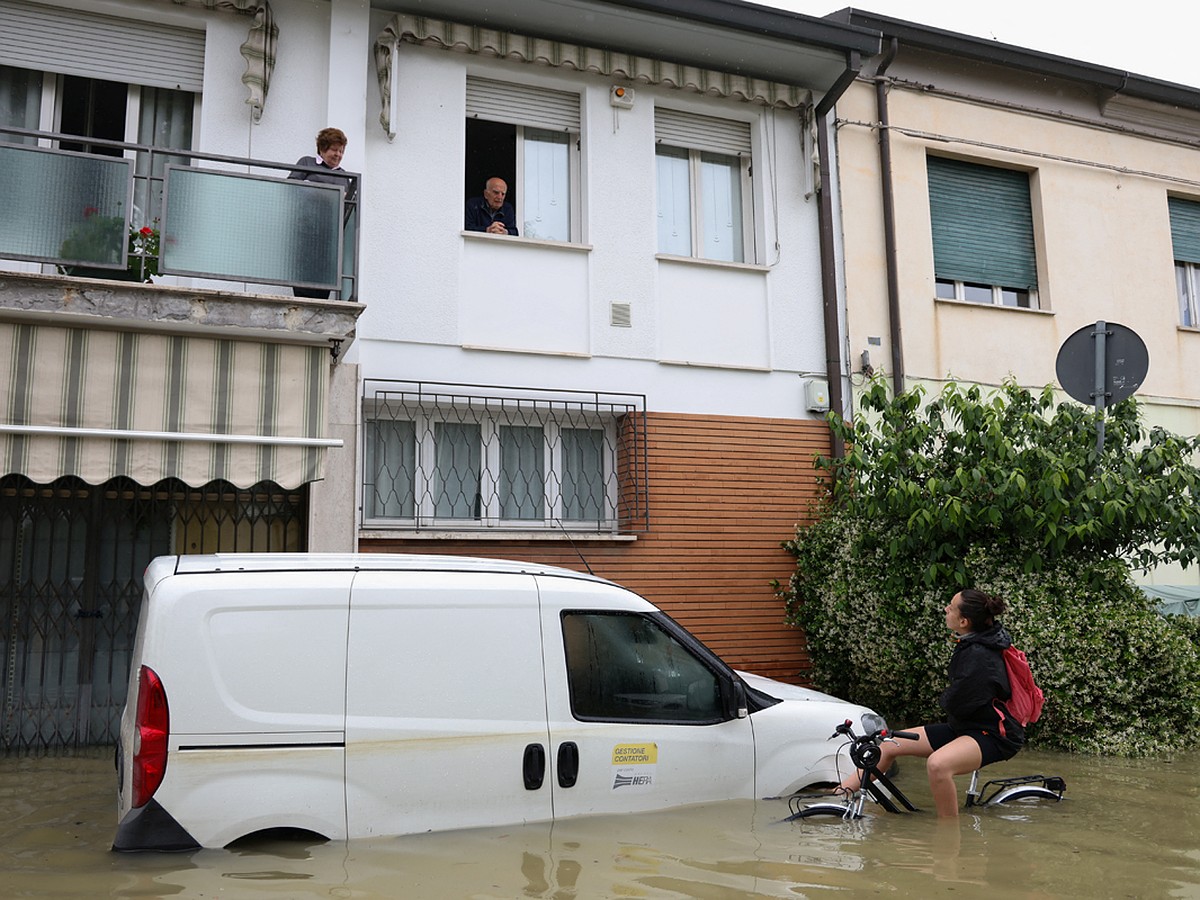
{"x": 635, "y": 754}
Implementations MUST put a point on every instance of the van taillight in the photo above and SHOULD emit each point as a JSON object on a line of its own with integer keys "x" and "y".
{"x": 151, "y": 729}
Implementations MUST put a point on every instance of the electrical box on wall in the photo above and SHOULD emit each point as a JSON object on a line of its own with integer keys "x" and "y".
{"x": 621, "y": 96}
{"x": 816, "y": 395}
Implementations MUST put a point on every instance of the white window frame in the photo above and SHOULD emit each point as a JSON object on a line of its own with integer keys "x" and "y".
{"x": 700, "y": 134}
{"x": 553, "y": 431}
{"x": 963, "y": 290}
{"x": 574, "y": 219}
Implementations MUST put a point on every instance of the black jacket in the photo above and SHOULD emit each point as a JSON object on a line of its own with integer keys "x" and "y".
{"x": 479, "y": 216}
{"x": 314, "y": 169}
{"x": 974, "y": 700}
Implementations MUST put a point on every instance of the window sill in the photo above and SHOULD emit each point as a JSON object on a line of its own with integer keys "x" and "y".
{"x": 383, "y": 532}
{"x": 714, "y": 263}
{"x": 713, "y": 365}
{"x": 527, "y": 242}
{"x": 566, "y": 353}
{"x": 1190, "y": 329}
{"x": 1016, "y": 309}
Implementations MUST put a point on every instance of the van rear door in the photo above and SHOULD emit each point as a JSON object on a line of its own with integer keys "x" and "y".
{"x": 445, "y": 703}
{"x": 640, "y": 716}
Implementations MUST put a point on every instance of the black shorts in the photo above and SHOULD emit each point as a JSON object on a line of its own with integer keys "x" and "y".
{"x": 991, "y": 746}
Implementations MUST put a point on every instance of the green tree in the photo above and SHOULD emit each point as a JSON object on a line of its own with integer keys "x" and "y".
{"x": 1009, "y": 493}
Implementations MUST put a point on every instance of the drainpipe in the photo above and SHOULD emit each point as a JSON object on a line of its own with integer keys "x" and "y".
{"x": 889, "y": 218}
{"x": 829, "y": 269}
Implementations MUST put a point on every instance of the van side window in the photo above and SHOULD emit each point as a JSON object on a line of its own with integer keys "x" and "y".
{"x": 625, "y": 667}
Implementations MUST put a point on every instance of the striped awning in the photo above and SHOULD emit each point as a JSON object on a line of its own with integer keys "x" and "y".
{"x": 405, "y": 28}
{"x": 101, "y": 404}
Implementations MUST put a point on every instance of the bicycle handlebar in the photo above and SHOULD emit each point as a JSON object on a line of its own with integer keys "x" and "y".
{"x": 847, "y": 729}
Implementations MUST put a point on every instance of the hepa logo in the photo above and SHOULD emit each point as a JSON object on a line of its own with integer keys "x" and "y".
{"x": 632, "y": 780}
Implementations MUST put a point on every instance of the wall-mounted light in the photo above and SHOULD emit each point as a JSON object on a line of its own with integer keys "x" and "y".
{"x": 620, "y": 96}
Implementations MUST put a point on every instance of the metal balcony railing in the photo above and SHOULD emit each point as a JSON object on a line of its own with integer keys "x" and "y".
{"x": 131, "y": 211}
{"x": 460, "y": 457}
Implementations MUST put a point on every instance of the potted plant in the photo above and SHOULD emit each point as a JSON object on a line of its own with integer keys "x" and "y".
{"x": 97, "y": 239}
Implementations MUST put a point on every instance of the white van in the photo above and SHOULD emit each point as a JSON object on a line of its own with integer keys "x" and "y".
{"x": 356, "y": 696}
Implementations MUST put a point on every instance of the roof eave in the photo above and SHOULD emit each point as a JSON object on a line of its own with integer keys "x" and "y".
{"x": 1118, "y": 81}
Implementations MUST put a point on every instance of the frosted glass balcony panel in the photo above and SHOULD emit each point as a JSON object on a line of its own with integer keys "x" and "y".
{"x": 64, "y": 207}
{"x": 245, "y": 227}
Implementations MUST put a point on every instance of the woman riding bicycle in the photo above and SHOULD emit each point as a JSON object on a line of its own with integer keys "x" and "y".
{"x": 979, "y": 729}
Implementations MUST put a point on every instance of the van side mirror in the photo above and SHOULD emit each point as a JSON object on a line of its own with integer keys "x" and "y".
{"x": 736, "y": 706}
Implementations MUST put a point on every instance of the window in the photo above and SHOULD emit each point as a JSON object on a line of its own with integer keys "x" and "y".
{"x": 438, "y": 459}
{"x": 626, "y": 667}
{"x": 1185, "y": 242}
{"x": 529, "y": 137}
{"x": 95, "y": 108}
{"x": 983, "y": 248}
{"x": 703, "y": 177}
{"x": 96, "y": 67}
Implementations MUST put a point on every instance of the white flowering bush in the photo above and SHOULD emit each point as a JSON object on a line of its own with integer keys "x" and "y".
{"x": 1119, "y": 678}
{"x": 1023, "y": 507}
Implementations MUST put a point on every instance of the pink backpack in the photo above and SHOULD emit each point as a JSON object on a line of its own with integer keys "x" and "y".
{"x": 1027, "y": 699}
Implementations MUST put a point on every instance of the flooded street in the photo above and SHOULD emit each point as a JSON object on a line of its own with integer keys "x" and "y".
{"x": 1127, "y": 828}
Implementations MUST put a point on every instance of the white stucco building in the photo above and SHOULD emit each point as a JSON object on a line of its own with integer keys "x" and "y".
{"x": 636, "y": 383}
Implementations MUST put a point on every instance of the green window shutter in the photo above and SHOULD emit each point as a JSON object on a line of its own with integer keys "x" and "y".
{"x": 1185, "y": 229}
{"x": 982, "y": 224}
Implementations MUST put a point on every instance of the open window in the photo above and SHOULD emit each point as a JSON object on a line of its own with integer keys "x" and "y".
{"x": 529, "y": 137}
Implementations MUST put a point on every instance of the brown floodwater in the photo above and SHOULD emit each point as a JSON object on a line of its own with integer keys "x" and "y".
{"x": 1127, "y": 828}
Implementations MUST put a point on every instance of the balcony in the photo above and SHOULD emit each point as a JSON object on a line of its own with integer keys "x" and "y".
{"x": 147, "y": 322}
{"x": 200, "y": 240}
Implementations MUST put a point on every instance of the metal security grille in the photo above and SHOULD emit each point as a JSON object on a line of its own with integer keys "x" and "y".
{"x": 72, "y": 556}
{"x": 462, "y": 457}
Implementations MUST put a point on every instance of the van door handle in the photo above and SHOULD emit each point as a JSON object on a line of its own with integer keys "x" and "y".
{"x": 534, "y": 767}
{"x": 568, "y": 764}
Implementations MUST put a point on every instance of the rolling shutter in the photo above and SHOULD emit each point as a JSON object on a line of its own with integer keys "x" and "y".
{"x": 130, "y": 51}
{"x": 1185, "y": 229}
{"x": 697, "y": 132}
{"x": 982, "y": 224}
{"x": 521, "y": 104}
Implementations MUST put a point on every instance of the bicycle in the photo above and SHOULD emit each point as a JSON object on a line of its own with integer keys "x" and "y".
{"x": 865, "y": 753}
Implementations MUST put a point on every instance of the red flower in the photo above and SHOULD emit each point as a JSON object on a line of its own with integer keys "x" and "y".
{"x": 146, "y": 231}
{"x": 89, "y": 211}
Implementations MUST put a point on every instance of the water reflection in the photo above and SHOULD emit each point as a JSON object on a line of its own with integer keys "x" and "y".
{"x": 1128, "y": 828}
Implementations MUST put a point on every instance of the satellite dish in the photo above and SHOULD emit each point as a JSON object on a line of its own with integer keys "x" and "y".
{"x": 1102, "y": 364}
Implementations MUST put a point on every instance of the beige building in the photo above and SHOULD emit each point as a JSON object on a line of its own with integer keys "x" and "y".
{"x": 996, "y": 200}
